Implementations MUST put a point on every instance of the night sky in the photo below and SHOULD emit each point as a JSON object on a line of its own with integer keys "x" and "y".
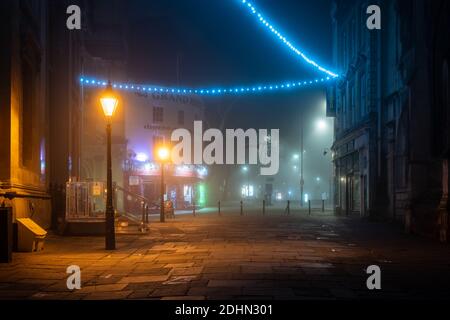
{"x": 218, "y": 43}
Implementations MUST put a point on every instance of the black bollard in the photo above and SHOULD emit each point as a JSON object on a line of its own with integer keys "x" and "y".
{"x": 242, "y": 210}
{"x": 288, "y": 207}
{"x": 264, "y": 207}
{"x": 193, "y": 208}
{"x": 323, "y": 205}
{"x": 143, "y": 217}
{"x": 218, "y": 205}
{"x": 309, "y": 207}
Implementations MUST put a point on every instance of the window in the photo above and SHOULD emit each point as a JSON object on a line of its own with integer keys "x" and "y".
{"x": 158, "y": 114}
{"x": 362, "y": 95}
{"x": 181, "y": 117}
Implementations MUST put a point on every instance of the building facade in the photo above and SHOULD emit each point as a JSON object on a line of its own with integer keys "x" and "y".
{"x": 24, "y": 112}
{"x": 387, "y": 163}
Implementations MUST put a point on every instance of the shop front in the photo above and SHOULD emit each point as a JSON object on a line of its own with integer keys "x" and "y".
{"x": 184, "y": 184}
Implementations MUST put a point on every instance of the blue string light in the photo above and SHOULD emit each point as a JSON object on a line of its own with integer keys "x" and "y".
{"x": 287, "y": 43}
{"x": 230, "y": 90}
{"x": 206, "y": 91}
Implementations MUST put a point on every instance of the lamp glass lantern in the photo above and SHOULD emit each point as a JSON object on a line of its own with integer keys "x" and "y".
{"x": 109, "y": 101}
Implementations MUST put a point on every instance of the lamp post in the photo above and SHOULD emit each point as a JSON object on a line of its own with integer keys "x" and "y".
{"x": 302, "y": 181}
{"x": 162, "y": 154}
{"x": 109, "y": 104}
{"x": 247, "y": 188}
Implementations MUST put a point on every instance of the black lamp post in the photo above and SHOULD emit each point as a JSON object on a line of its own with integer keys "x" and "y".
{"x": 162, "y": 154}
{"x": 109, "y": 104}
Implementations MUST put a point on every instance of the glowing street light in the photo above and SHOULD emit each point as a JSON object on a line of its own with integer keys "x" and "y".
{"x": 296, "y": 156}
{"x": 162, "y": 155}
{"x": 321, "y": 125}
{"x": 109, "y": 102}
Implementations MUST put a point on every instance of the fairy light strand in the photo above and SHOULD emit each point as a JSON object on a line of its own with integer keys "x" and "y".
{"x": 90, "y": 82}
{"x": 247, "y": 4}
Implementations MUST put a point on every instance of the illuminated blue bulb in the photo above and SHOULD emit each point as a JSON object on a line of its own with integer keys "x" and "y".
{"x": 270, "y": 87}
{"x": 81, "y": 79}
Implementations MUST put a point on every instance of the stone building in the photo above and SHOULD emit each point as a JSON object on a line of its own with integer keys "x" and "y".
{"x": 24, "y": 109}
{"x": 390, "y": 109}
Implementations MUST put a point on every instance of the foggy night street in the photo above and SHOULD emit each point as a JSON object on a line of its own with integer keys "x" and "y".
{"x": 237, "y": 257}
{"x": 195, "y": 153}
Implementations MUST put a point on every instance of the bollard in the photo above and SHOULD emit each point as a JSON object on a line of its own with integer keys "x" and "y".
{"x": 146, "y": 216}
{"x": 309, "y": 207}
{"x": 323, "y": 205}
{"x": 288, "y": 208}
{"x": 143, "y": 217}
{"x": 218, "y": 205}
{"x": 264, "y": 207}
{"x": 242, "y": 211}
{"x": 193, "y": 208}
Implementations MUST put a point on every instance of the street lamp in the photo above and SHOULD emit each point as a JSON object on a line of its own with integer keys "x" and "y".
{"x": 162, "y": 154}
{"x": 247, "y": 191}
{"x": 109, "y": 103}
{"x": 321, "y": 125}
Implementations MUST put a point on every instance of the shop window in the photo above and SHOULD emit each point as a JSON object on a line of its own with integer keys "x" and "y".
{"x": 181, "y": 117}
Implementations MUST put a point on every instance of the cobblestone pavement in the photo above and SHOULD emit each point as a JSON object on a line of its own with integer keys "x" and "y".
{"x": 237, "y": 257}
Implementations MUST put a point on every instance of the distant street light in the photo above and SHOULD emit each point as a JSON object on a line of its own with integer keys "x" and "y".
{"x": 296, "y": 157}
{"x": 321, "y": 125}
{"x": 162, "y": 154}
{"x": 109, "y": 103}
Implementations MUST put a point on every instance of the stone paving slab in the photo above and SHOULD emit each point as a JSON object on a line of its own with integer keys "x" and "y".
{"x": 236, "y": 257}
